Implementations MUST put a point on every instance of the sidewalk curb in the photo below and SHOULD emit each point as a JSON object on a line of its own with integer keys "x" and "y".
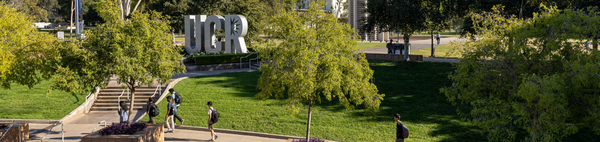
{"x": 238, "y": 132}
{"x": 32, "y": 121}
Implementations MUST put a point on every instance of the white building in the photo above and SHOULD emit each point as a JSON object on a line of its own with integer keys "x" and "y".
{"x": 356, "y": 17}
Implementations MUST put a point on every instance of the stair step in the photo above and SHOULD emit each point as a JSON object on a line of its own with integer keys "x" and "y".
{"x": 116, "y": 101}
{"x": 119, "y": 88}
{"x": 115, "y": 104}
{"x": 125, "y": 94}
{"x": 136, "y": 90}
{"x": 116, "y": 97}
{"x": 111, "y": 109}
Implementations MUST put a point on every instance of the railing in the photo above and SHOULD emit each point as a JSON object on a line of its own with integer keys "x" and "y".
{"x": 9, "y": 129}
{"x": 157, "y": 90}
{"x": 62, "y": 131}
{"x": 86, "y": 97}
{"x": 99, "y": 124}
{"x": 249, "y": 61}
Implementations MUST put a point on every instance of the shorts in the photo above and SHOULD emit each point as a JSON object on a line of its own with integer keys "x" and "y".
{"x": 210, "y": 126}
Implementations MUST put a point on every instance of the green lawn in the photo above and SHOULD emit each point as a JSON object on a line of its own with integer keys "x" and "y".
{"x": 22, "y": 102}
{"x": 363, "y": 45}
{"x": 412, "y": 89}
{"x": 440, "y": 51}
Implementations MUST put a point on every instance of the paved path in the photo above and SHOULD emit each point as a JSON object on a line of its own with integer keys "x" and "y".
{"x": 74, "y": 132}
{"x": 420, "y": 44}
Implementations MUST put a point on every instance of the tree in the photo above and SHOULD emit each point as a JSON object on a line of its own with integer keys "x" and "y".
{"x": 533, "y": 74}
{"x": 317, "y": 58}
{"x": 27, "y": 56}
{"x": 175, "y": 10}
{"x": 408, "y": 16}
{"x": 138, "y": 50}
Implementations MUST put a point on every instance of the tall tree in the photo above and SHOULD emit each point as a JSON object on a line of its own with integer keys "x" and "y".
{"x": 534, "y": 74}
{"x": 317, "y": 58}
{"x": 174, "y": 10}
{"x": 27, "y": 56}
{"x": 408, "y": 16}
{"x": 138, "y": 50}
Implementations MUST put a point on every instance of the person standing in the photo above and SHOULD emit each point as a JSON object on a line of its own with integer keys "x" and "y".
{"x": 438, "y": 38}
{"x": 151, "y": 110}
{"x": 401, "y": 130}
{"x": 210, "y": 122}
{"x": 123, "y": 112}
{"x": 175, "y": 97}
{"x": 170, "y": 115}
{"x": 389, "y": 47}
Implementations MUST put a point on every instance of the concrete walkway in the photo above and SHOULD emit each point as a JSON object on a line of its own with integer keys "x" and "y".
{"x": 74, "y": 132}
{"x": 420, "y": 44}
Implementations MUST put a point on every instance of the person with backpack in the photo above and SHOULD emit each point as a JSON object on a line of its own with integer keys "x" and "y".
{"x": 177, "y": 100}
{"x": 123, "y": 112}
{"x": 152, "y": 110}
{"x": 401, "y": 130}
{"x": 213, "y": 117}
{"x": 170, "y": 113}
{"x": 438, "y": 38}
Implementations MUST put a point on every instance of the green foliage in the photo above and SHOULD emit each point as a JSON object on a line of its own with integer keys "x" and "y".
{"x": 175, "y": 10}
{"x": 27, "y": 56}
{"x": 534, "y": 75}
{"x": 221, "y": 58}
{"x": 317, "y": 58}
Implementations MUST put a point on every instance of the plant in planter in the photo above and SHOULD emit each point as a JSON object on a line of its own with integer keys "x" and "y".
{"x": 122, "y": 128}
{"x": 311, "y": 140}
{"x": 3, "y": 126}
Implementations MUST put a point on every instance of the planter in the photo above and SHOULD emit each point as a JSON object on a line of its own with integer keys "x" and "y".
{"x": 152, "y": 133}
{"x": 13, "y": 134}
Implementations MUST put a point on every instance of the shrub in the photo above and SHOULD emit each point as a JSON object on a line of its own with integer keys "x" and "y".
{"x": 221, "y": 58}
{"x": 122, "y": 128}
{"x": 310, "y": 140}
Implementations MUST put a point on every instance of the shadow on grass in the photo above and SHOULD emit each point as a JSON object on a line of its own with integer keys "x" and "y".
{"x": 411, "y": 89}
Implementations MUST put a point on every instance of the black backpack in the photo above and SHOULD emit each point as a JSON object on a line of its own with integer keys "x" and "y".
{"x": 215, "y": 116}
{"x": 177, "y": 98}
{"x": 154, "y": 110}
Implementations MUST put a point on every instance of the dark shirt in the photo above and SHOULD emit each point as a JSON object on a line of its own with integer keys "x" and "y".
{"x": 150, "y": 108}
{"x": 399, "y": 130}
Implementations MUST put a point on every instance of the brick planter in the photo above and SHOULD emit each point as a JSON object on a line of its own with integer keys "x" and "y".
{"x": 152, "y": 133}
{"x": 13, "y": 134}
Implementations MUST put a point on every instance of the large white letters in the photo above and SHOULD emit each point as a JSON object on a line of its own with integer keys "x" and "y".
{"x": 200, "y": 33}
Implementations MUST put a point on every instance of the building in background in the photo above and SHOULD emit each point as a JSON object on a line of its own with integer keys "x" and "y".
{"x": 357, "y": 18}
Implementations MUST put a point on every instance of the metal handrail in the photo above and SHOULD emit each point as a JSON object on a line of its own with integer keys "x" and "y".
{"x": 155, "y": 90}
{"x": 9, "y": 129}
{"x": 62, "y": 131}
{"x": 250, "y": 61}
{"x": 99, "y": 124}
{"x": 86, "y": 97}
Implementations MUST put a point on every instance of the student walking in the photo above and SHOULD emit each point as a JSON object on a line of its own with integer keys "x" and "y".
{"x": 152, "y": 110}
{"x": 123, "y": 112}
{"x": 389, "y": 47}
{"x": 170, "y": 108}
{"x": 401, "y": 130}
{"x": 176, "y": 100}
{"x": 212, "y": 120}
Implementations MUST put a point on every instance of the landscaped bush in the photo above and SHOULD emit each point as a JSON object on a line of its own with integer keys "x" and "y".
{"x": 221, "y": 58}
{"x": 122, "y": 128}
{"x": 310, "y": 140}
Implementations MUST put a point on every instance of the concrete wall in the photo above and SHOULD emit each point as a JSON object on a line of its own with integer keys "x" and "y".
{"x": 12, "y": 135}
{"x": 83, "y": 108}
{"x": 152, "y": 133}
{"x": 393, "y": 57}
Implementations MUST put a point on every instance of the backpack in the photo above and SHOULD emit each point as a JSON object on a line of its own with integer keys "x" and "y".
{"x": 177, "y": 98}
{"x": 404, "y": 131}
{"x": 154, "y": 110}
{"x": 214, "y": 116}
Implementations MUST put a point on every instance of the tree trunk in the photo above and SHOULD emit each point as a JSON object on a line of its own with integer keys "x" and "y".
{"x": 131, "y": 101}
{"x": 595, "y": 43}
{"x": 406, "y": 38}
{"x": 432, "y": 48}
{"x": 308, "y": 124}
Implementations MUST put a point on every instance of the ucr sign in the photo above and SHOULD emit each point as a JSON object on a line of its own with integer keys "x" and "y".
{"x": 200, "y": 33}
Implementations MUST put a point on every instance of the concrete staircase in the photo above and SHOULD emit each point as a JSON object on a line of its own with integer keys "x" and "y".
{"x": 108, "y": 98}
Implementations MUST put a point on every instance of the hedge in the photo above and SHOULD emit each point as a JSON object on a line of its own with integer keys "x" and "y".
{"x": 221, "y": 58}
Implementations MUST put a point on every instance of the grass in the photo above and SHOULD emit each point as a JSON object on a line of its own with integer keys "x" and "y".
{"x": 22, "y": 102}
{"x": 412, "y": 90}
{"x": 364, "y": 45}
{"x": 440, "y": 51}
